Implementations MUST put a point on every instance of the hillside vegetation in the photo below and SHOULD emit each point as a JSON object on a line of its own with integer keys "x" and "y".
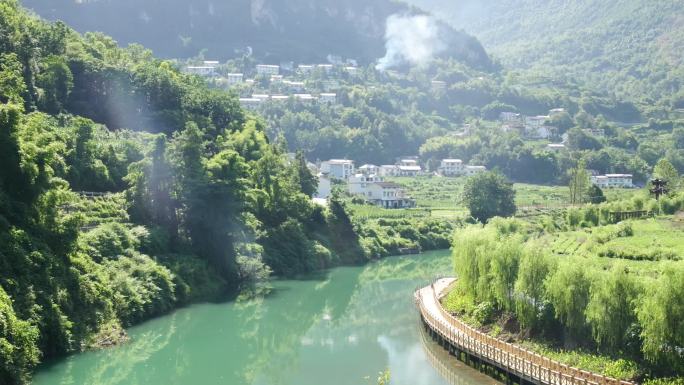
{"x": 101, "y": 228}
{"x": 630, "y": 49}
{"x": 299, "y": 30}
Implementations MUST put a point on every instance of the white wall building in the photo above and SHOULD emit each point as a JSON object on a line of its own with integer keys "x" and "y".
{"x": 268, "y": 69}
{"x": 389, "y": 195}
{"x": 201, "y": 70}
{"x": 451, "y": 167}
{"x": 353, "y": 71}
{"x": 409, "y": 167}
{"x": 473, "y": 170}
{"x": 324, "y": 187}
{"x": 389, "y": 170}
{"x": 359, "y": 184}
{"x": 305, "y": 69}
{"x": 613, "y": 180}
{"x": 326, "y": 67}
{"x": 555, "y": 146}
{"x": 234, "y": 78}
{"x": 438, "y": 85}
{"x": 369, "y": 169}
{"x": 510, "y": 117}
{"x": 338, "y": 168}
{"x": 327, "y": 97}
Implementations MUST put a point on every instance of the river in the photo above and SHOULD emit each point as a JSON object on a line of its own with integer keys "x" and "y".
{"x": 339, "y": 327}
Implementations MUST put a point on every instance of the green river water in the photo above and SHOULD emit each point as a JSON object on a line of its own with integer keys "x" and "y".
{"x": 340, "y": 327}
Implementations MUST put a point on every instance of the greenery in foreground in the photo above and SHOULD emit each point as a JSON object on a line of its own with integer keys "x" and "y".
{"x": 195, "y": 202}
{"x": 604, "y": 298}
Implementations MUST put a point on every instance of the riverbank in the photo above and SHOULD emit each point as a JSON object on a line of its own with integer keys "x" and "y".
{"x": 336, "y": 327}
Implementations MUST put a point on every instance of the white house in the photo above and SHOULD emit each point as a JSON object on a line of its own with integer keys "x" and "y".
{"x": 294, "y": 86}
{"x": 305, "y": 69}
{"x": 438, "y": 85}
{"x": 555, "y": 146}
{"x": 326, "y": 67}
{"x": 597, "y": 132}
{"x": 327, "y": 97}
{"x": 538, "y": 132}
{"x": 359, "y": 183}
{"x": 338, "y": 168}
{"x": 276, "y": 78}
{"x": 473, "y": 170}
{"x": 533, "y": 122}
{"x": 613, "y": 181}
{"x": 451, "y": 167}
{"x": 234, "y": 78}
{"x": 250, "y": 103}
{"x": 261, "y": 97}
{"x": 369, "y": 169}
{"x": 201, "y": 70}
{"x": 280, "y": 98}
{"x": 556, "y": 111}
{"x": 211, "y": 63}
{"x": 324, "y": 187}
{"x": 409, "y": 167}
{"x": 304, "y": 98}
{"x": 510, "y": 117}
{"x": 268, "y": 69}
{"x": 353, "y": 71}
{"x": 389, "y": 170}
{"x": 388, "y": 195}
{"x": 330, "y": 85}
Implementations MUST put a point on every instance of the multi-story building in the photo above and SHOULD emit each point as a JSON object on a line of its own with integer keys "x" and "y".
{"x": 451, "y": 167}
{"x": 613, "y": 180}
{"x": 268, "y": 69}
{"x": 338, "y": 168}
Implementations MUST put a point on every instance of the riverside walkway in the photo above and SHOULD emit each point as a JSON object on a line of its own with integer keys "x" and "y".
{"x": 515, "y": 361}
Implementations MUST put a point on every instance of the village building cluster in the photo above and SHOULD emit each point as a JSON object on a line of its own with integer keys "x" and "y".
{"x": 286, "y": 77}
{"x": 369, "y": 181}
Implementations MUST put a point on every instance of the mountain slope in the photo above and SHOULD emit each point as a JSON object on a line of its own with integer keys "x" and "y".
{"x": 299, "y": 30}
{"x": 628, "y": 48}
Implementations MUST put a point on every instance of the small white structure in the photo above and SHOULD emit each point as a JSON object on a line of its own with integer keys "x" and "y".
{"x": 261, "y": 97}
{"x": 451, "y": 167}
{"x": 201, "y": 70}
{"x": 268, "y": 69}
{"x": 327, "y": 97}
{"x": 613, "y": 180}
{"x": 596, "y": 132}
{"x": 534, "y": 122}
{"x": 359, "y": 183}
{"x": 305, "y": 69}
{"x": 538, "y": 132}
{"x": 338, "y": 168}
{"x": 369, "y": 169}
{"x": 389, "y": 170}
{"x": 276, "y": 78}
{"x": 330, "y": 85}
{"x": 324, "y": 187}
{"x": 438, "y": 85}
{"x": 250, "y": 103}
{"x": 389, "y": 195}
{"x": 326, "y": 67}
{"x": 510, "y": 117}
{"x": 353, "y": 71}
{"x": 409, "y": 167}
{"x": 555, "y": 146}
{"x": 304, "y": 98}
{"x": 280, "y": 98}
{"x": 556, "y": 111}
{"x": 474, "y": 170}
{"x": 211, "y": 63}
{"x": 235, "y": 78}
{"x": 294, "y": 86}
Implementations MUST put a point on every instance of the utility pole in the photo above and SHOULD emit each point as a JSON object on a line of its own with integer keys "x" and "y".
{"x": 659, "y": 188}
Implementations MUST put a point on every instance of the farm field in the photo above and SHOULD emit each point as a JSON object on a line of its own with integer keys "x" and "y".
{"x": 436, "y": 192}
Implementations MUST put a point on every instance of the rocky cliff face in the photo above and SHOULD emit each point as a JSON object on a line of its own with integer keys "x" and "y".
{"x": 274, "y": 30}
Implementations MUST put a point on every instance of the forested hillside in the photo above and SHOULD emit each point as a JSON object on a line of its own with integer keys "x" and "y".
{"x": 273, "y": 30}
{"x": 101, "y": 228}
{"x": 627, "y": 48}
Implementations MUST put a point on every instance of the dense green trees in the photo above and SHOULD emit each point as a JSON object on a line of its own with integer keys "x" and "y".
{"x": 488, "y": 195}
{"x": 630, "y": 311}
{"x": 192, "y": 204}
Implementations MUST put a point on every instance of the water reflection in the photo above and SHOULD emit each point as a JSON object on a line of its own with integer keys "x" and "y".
{"x": 336, "y": 328}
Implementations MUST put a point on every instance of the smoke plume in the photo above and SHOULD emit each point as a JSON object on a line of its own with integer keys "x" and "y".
{"x": 410, "y": 39}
